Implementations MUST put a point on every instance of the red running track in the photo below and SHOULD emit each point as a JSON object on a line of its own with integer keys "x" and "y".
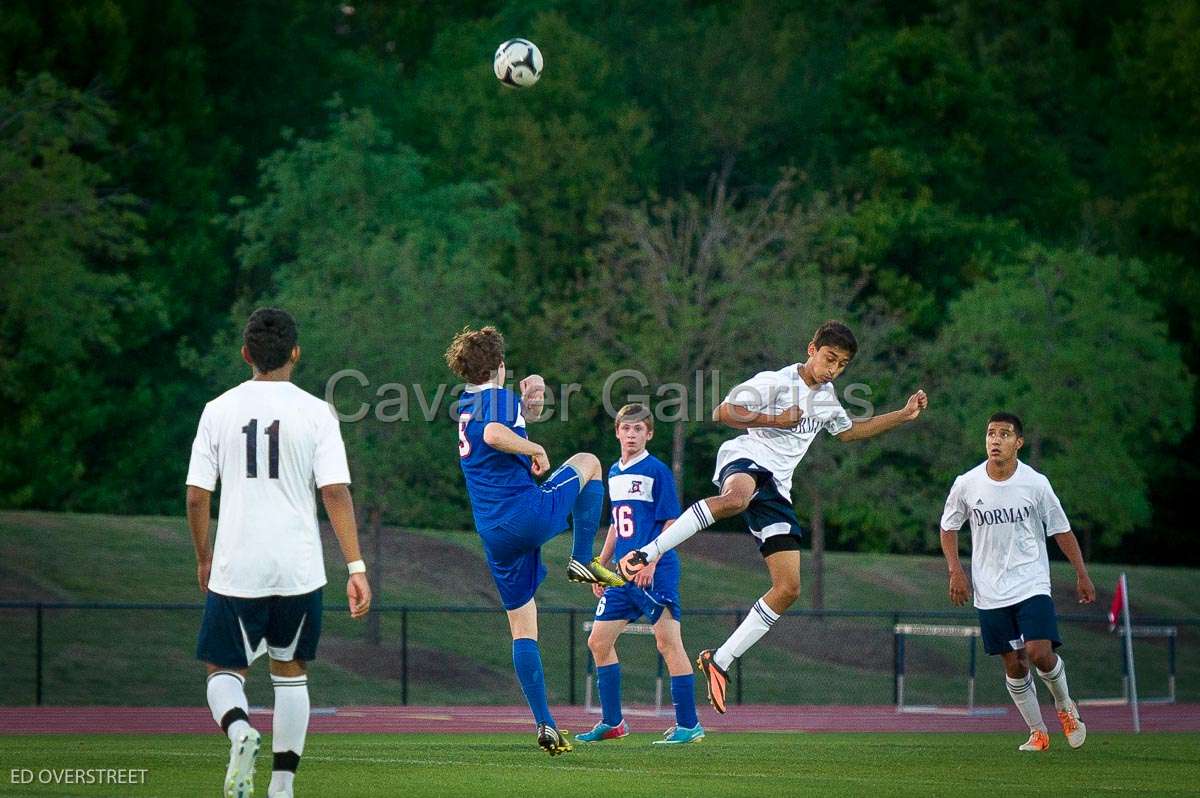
{"x": 476, "y": 719}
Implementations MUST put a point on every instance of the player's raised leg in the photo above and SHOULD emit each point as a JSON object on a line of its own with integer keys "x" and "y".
{"x": 1053, "y": 672}
{"x": 585, "y": 520}
{"x": 736, "y": 492}
{"x": 527, "y": 662}
{"x": 602, "y": 643}
{"x": 230, "y": 709}
{"x": 784, "y": 567}
{"x": 687, "y": 728}
{"x": 1023, "y": 690}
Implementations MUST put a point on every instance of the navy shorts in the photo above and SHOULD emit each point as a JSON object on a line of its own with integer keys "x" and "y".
{"x": 513, "y": 547}
{"x": 631, "y": 602}
{"x": 770, "y": 518}
{"x": 1006, "y": 629}
{"x": 237, "y": 631}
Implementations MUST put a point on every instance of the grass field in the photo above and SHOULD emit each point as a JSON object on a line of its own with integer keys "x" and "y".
{"x": 354, "y": 766}
{"x": 66, "y": 557}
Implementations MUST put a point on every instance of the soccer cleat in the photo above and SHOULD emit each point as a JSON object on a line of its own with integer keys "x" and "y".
{"x": 1072, "y": 726}
{"x": 593, "y": 573}
{"x": 602, "y": 731}
{"x": 551, "y": 740}
{"x": 632, "y": 563}
{"x": 715, "y": 679}
{"x": 679, "y": 735}
{"x": 239, "y": 776}
{"x": 1038, "y": 741}
{"x": 280, "y": 795}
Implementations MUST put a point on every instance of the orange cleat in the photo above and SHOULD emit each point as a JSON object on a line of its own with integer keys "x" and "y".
{"x": 1072, "y": 726}
{"x": 715, "y": 679}
{"x": 1038, "y": 741}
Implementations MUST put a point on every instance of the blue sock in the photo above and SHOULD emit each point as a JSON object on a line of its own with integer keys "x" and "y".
{"x": 527, "y": 661}
{"x": 683, "y": 695}
{"x": 586, "y": 517}
{"x": 608, "y": 682}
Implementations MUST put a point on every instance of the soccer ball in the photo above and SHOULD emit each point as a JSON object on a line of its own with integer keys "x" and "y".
{"x": 518, "y": 62}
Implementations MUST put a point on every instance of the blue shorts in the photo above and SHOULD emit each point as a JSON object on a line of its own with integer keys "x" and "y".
{"x": 237, "y": 631}
{"x": 631, "y": 602}
{"x": 1006, "y": 629}
{"x": 770, "y": 517}
{"x": 513, "y": 546}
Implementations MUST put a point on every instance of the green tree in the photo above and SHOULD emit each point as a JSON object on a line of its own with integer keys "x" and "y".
{"x": 1069, "y": 341}
{"x": 64, "y": 317}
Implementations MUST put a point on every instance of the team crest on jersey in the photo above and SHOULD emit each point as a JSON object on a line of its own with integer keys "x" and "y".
{"x": 635, "y": 488}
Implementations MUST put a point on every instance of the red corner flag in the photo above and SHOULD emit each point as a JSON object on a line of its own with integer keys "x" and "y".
{"x": 1114, "y": 612}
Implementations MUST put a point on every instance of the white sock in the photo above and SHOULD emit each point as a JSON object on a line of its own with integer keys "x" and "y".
{"x": 289, "y": 729}
{"x": 689, "y": 522}
{"x": 1024, "y": 695}
{"x": 1056, "y": 682}
{"x": 758, "y": 622}
{"x": 227, "y": 701}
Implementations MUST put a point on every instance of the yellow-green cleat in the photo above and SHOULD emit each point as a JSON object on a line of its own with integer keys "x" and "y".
{"x": 552, "y": 741}
{"x": 593, "y": 573}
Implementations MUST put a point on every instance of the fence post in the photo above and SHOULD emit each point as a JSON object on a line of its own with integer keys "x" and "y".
{"x": 404, "y": 656}
{"x": 38, "y": 657}
{"x": 737, "y": 621}
{"x": 571, "y": 647}
{"x": 895, "y": 660}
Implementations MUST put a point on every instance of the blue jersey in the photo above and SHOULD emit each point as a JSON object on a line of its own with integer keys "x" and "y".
{"x": 494, "y": 478}
{"x": 643, "y": 498}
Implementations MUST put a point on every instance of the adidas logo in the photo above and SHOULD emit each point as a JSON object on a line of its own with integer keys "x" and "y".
{"x": 978, "y": 502}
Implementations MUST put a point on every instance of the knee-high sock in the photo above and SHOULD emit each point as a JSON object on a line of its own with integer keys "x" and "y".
{"x": 689, "y": 522}
{"x": 683, "y": 696}
{"x": 758, "y": 622}
{"x": 1024, "y": 695}
{"x": 608, "y": 684}
{"x": 227, "y": 700}
{"x": 585, "y": 517}
{"x": 1056, "y": 681}
{"x": 289, "y": 729}
{"x": 527, "y": 661}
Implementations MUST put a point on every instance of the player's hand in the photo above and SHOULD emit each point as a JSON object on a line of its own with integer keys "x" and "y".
{"x": 916, "y": 403}
{"x": 539, "y": 462}
{"x": 203, "y": 569}
{"x": 960, "y": 591}
{"x": 533, "y": 395}
{"x": 358, "y": 592}
{"x": 597, "y": 590}
{"x": 645, "y": 577}
{"x": 1085, "y": 589}
{"x": 789, "y": 418}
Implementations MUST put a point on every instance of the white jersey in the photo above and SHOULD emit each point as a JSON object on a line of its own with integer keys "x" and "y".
{"x": 1010, "y": 522}
{"x": 781, "y": 450}
{"x": 271, "y": 444}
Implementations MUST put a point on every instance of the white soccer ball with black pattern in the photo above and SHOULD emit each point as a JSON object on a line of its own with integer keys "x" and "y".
{"x": 518, "y": 63}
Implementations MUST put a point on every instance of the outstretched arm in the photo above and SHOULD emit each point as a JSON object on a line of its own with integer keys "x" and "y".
{"x": 739, "y": 417}
{"x": 1083, "y": 583}
{"x": 888, "y": 421}
{"x": 339, "y": 505}
{"x": 199, "y": 511}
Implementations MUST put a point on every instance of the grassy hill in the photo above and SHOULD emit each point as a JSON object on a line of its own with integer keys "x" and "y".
{"x": 144, "y": 656}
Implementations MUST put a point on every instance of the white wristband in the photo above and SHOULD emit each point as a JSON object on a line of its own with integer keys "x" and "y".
{"x": 356, "y": 567}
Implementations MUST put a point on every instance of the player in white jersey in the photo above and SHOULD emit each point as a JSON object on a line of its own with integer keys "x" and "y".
{"x": 781, "y": 413}
{"x": 271, "y": 445}
{"x": 1012, "y": 510}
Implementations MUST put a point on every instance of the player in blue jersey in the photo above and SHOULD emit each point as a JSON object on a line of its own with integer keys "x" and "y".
{"x": 514, "y": 515}
{"x": 644, "y": 503}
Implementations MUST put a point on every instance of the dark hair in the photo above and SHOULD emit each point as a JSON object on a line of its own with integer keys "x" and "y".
{"x": 1009, "y": 418}
{"x": 270, "y": 336}
{"x": 835, "y": 334}
{"x": 476, "y": 355}
{"x": 635, "y": 412}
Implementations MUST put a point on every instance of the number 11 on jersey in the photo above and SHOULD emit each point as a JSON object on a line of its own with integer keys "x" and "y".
{"x": 272, "y": 433}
